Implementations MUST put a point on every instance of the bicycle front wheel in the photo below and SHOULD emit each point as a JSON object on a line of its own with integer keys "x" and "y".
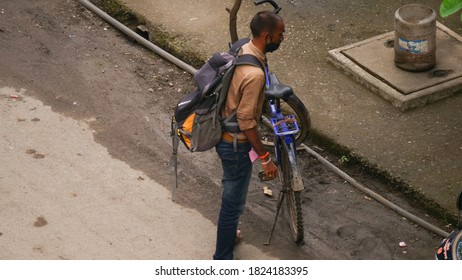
{"x": 292, "y": 185}
{"x": 292, "y": 106}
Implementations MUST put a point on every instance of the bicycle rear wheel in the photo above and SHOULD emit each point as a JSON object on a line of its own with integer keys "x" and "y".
{"x": 292, "y": 106}
{"x": 291, "y": 180}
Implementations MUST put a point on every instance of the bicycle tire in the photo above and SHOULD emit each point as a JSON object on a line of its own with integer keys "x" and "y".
{"x": 293, "y": 198}
{"x": 457, "y": 247}
{"x": 292, "y": 106}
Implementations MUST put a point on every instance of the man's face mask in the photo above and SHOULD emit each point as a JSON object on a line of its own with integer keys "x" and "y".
{"x": 272, "y": 46}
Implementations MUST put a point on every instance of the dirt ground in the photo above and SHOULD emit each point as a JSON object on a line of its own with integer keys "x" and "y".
{"x": 85, "y": 69}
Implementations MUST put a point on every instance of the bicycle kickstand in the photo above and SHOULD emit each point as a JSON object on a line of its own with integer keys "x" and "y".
{"x": 280, "y": 199}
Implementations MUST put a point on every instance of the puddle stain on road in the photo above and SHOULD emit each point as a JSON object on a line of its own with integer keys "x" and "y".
{"x": 40, "y": 222}
{"x": 35, "y": 154}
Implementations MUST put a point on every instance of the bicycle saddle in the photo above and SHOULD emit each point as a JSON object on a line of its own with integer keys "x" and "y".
{"x": 277, "y": 90}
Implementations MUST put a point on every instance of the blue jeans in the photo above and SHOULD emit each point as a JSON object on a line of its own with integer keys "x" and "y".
{"x": 237, "y": 170}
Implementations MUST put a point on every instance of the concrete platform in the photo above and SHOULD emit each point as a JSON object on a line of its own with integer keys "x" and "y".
{"x": 371, "y": 63}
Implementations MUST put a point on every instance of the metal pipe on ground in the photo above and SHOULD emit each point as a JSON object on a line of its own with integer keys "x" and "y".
{"x": 188, "y": 68}
{"x": 127, "y": 31}
{"x": 374, "y": 195}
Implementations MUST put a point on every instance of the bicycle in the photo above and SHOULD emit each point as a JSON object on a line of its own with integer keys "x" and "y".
{"x": 281, "y": 111}
{"x": 285, "y": 128}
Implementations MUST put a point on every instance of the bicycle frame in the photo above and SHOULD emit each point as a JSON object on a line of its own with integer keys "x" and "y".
{"x": 284, "y": 134}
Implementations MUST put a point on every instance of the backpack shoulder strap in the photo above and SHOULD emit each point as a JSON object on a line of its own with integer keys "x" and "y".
{"x": 248, "y": 59}
{"x": 245, "y": 59}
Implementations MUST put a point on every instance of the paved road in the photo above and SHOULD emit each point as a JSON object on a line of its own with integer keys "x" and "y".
{"x": 64, "y": 197}
{"x": 62, "y": 194}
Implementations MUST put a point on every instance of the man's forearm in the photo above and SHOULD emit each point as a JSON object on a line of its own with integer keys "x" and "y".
{"x": 254, "y": 139}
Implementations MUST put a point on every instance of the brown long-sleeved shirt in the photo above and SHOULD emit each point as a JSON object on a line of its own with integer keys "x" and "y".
{"x": 246, "y": 92}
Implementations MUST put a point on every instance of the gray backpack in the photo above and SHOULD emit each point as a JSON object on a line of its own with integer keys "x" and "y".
{"x": 197, "y": 116}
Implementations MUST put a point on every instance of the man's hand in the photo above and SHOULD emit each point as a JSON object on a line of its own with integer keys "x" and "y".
{"x": 270, "y": 168}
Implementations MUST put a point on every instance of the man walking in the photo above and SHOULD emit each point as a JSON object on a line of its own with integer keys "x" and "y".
{"x": 245, "y": 97}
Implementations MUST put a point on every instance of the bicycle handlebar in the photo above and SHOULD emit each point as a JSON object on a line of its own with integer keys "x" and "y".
{"x": 273, "y": 3}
